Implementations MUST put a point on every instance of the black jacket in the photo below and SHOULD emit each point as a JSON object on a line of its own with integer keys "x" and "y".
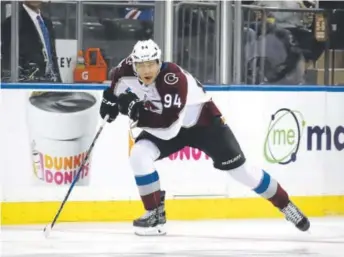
{"x": 30, "y": 45}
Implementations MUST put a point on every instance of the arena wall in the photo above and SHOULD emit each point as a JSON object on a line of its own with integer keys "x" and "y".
{"x": 295, "y": 133}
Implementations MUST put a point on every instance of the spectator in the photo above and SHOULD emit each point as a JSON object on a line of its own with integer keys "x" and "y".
{"x": 300, "y": 24}
{"x": 337, "y": 22}
{"x": 272, "y": 57}
{"x": 287, "y": 19}
{"x": 36, "y": 43}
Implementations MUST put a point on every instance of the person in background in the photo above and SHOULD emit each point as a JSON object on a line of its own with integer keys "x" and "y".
{"x": 300, "y": 24}
{"x": 287, "y": 19}
{"x": 37, "y": 51}
{"x": 337, "y": 21}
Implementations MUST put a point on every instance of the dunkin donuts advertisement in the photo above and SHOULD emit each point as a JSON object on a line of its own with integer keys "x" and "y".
{"x": 45, "y": 136}
{"x": 61, "y": 128}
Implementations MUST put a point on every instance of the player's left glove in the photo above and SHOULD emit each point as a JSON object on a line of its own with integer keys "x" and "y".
{"x": 109, "y": 105}
{"x": 129, "y": 104}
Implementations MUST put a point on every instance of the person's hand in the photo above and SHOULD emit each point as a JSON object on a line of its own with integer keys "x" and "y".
{"x": 109, "y": 105}
{"x": 130, "y": 104}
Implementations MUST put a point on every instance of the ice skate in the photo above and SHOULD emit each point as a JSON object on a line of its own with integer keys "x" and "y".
{"x": 294, "y": 215}
{"x": 152, "y": 222}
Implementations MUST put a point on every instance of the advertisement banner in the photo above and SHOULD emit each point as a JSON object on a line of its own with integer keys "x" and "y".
{"x": 298, "y": 137}
{"x": 66, "y": 51}
{"x": 304, "y": 138}
{"x": 61, "y": 127}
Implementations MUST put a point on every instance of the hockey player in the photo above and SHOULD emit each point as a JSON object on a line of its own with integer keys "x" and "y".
{"x": 174, "y": 111}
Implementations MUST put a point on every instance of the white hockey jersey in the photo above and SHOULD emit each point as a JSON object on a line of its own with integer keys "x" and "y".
{"x": 175, "y": 100}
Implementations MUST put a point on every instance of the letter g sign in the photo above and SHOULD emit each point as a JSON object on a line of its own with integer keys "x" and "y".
{"x": 84, "y": 75}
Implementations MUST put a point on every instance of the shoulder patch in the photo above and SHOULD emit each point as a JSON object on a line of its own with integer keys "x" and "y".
{"x": 171, "y": 78}
{"x": 129, "y": 61}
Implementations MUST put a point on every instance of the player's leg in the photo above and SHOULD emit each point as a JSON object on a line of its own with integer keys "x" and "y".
{"x": 222, "y": 146}
{"x": 144, "y": 153}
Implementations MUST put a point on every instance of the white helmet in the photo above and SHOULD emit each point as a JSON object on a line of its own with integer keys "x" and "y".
{"x": 146, "y": 50}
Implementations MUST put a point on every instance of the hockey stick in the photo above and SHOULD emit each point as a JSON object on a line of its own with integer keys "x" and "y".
{"x": 49, "y": 227}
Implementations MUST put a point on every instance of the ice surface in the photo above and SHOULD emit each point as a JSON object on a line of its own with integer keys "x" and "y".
{"x": 239, "y": 238}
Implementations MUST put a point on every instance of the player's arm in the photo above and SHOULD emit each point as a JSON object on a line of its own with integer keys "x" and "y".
{"x": 174, "y": 94}
{"x": 109, "y": 104}
{"x": 118, "y": 72}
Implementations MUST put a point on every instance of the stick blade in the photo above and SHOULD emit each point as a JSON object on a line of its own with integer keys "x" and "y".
{"x": 47, "y": 230}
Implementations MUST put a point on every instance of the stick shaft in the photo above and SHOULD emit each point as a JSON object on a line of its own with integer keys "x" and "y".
{"x": 79, "y": 171}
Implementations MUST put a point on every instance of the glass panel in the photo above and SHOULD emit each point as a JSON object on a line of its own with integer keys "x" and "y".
{"x": 38, "y": 57}
{"x": 115, "y": 27}
{"x": 63, "y": 17}
{"x": 6, "y": 41}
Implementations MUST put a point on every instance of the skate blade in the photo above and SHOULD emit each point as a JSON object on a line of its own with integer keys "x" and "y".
{"x": 159, "y": 230}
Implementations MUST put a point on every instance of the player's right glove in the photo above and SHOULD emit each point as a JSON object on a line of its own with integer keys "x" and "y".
{"x": 130, "y": 104}
{"x": 109, "y": 105}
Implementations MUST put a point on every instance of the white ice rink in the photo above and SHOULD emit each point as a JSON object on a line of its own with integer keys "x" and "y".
{"x": 239, "y": 238}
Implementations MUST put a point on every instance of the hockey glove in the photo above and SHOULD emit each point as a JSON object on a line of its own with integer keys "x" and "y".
{"x": 130, "y": 104}
{"x": 109, "y": 105}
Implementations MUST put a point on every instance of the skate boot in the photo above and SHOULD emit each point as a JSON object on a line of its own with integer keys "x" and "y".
{"x": 294, "y": 215}
{"x": 152, "y": 222}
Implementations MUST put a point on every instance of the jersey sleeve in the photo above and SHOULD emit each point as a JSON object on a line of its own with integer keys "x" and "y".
{"x": 123, "y": 69}
{"x": 173, "y": 94}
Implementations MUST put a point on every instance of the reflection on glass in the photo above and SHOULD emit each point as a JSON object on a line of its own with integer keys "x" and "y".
{"x": 115, "y": 28}
{"x": 5, "y": 41}
{"x": 35, "y": 36}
